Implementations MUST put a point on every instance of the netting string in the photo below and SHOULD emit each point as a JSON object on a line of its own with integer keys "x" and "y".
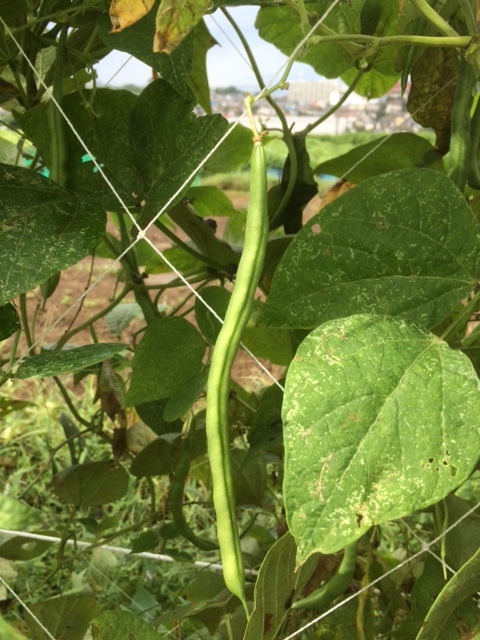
{"x": 425, "y": 547}
{"x": 24, "y": 605}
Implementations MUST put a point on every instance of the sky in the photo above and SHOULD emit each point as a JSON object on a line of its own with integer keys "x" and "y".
{"x": 225, "y": 63}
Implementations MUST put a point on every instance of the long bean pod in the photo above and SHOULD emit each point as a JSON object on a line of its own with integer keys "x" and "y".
{"x": 217, "y": 424}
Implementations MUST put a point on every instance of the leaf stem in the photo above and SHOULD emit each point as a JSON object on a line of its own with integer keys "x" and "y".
{"x": 462, "y": 318}
{"x": 434, "y": 18}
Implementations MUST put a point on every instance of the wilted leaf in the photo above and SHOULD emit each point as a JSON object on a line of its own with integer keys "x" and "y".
{"x": 124, "y": 13}
{"x": 175, "y": 19}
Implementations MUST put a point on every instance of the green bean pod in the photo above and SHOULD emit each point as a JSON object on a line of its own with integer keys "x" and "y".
{"x": 474, "y": 160}
{"x": 335, "y": 587}
{"x": 460, "y": 132}
{"x": 228, "y": 341}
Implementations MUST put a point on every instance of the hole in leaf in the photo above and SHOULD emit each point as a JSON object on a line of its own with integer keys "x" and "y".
{"x": 316, "y": 228}
{"x": 430, "y": 460}
{"x": 444, "y": 462}
{"x": 453, "y": 470}
{"x": 359, "y": 519}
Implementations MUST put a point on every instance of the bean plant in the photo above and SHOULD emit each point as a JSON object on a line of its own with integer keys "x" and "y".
{"x": 335, "y": 495}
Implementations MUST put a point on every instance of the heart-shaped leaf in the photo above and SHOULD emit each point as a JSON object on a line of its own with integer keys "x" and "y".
{"x": 381, "y": 418}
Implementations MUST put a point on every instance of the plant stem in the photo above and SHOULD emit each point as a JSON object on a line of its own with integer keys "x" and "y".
{"x": 64, "y": 339}
{"x": 469, "y": 10}
{"x": 70, "y": 404}
{"x": 462, "y": 318}
{"x": 336, "y": 106}
{"x": 287, "y": 134}
{"x": 434, "y": 18}
{"x": 25, "y": 326}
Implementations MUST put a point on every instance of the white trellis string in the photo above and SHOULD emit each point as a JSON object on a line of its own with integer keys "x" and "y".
{"x": 444, "y": 564}
{"x": 122, "y": 66}
{"x": 425, "y": 547}
{"x": 30, "y": 612}
{"x": 141, "y": 232}
{"x": 240, "y": 53}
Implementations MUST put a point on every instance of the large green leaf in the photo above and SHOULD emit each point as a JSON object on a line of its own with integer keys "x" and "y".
{"x": 56, "y": 363}
{"x": 102, "y": 120}
{"x": 381, "y": 418}
{"x": 402, "y": 244}
{"x": 169, "y": 354}
{"x": 138, "y": 40}
{"x": 120, "y": 625}
{"x": 66, "y": 617}
{"x": 43, "y": 229}
{"x": 281, "y": 27}
{"x": 169, "y": 142}
{"x": 396, "y": 151}
{"x": 91, "y": 484}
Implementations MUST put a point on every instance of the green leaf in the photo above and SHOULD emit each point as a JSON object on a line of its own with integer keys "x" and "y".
{"x": 380, "y": 419}
{"x": 43, "y": 229}
{"x": 158, "y": 458}
{"x": 387, "y": 153}
{"x": 402, "y": 244}
{"x": 57, "y": 363}
{"x": 276, "y": 587}
{"x": 9, "y": 322}
{"x": 66, "y": 617}
{"x": 137, "y": 40}
{"x": 9, "y": 633}
{"x": 198, "y": 79}
{"x": 168, "y": 355}
{"x": 464, "y": 584}
{"x": 169, "y": 143}
{"x": 249, "y": 475}
{"x": 234, "y": 152}
{"x": 210, "y": 201}
{"x": 217, "y": 299}
{"x": 281, "y": 27}
{"x": 151, "y": 413}
{"x": 16, "y": 515}
{"x": 24, "y": 549}
{"x": 91, "y": 484}
{"x": 183, "y": 400}
{"x": 13, "y": 10}
{"x": 120, "y": 625}
{"x": 102, "y": 119}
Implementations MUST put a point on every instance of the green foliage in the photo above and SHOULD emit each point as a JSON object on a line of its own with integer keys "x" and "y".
{"x": 366, "y": 310}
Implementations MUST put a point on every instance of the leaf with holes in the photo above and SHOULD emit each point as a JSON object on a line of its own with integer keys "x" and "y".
{"x": 91, "y": 484}
{"x": 175, "y": 20}
{"x": 43, "y": 229}
{"x": 381, "y": 418}
{"x": 57, "y": 363}
{"x": 401, "y": 244}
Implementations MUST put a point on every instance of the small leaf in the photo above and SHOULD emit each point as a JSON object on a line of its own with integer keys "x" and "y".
{"x": 91, "y": 484}
{"x": 124, "y": 13}
{"x": 380, "y": 419}
{"x": 168, "y": 355}
{"x": 122, "y": 625}
{"x": 57, "y": 363}
{"x": 387, "y": 153}
{"x": 401, "y": 244}
{"x": 175, "y": 19}
{"x": 234, "y": 152}
{"x": 43, "y": 229}
{"x": 210, "y": 201}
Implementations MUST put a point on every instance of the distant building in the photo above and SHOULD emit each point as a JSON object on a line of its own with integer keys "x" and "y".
{"x": 318, "y": 93}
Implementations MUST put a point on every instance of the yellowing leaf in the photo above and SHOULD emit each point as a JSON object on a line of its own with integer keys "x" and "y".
{"x": 124, "y": 13}
{"x": 175, "y": 20}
